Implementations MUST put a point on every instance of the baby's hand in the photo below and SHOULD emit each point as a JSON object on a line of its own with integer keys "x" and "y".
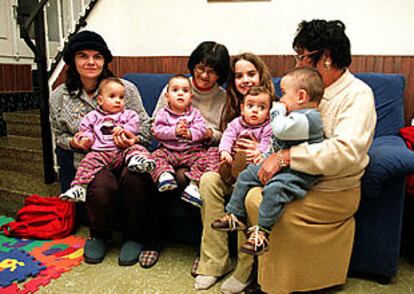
{"x": 187, "y": 134}
{"x": 182, "y": 123}
{"x": 117, "y": 131}
{"x": 179, "y": 131}
{"x": 226, "y": 157}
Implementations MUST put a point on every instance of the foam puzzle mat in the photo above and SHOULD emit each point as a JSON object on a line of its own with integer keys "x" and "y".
{"x": 26, "y": 265}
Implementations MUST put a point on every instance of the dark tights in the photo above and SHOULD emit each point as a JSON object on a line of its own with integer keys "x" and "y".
{"x": 129, "y": 198}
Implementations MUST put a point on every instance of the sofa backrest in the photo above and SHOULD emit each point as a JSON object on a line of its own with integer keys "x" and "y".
{"x": 149, "y": 86}
{"x": 388, "y": 90}
{"x": 389, "y": 100}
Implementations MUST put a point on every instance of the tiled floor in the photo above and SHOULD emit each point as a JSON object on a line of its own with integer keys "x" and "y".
{"x": 172, "y": 275}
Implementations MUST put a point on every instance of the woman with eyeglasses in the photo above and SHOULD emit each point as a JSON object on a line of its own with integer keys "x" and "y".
{"x": 208, "y": 65}
{"x": 310, "y": 246}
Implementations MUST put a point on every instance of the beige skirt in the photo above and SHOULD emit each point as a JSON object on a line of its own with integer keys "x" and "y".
{"x": 311, "y": 244}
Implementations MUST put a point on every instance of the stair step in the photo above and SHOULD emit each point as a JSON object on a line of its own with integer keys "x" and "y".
{"x": 23, "y": 123}
{"x": 24, "y": 116}
{"x": 21, "y": 154}
{"x": 15, "y": 187}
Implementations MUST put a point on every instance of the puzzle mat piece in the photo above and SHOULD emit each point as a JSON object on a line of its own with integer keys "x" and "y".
{"x": 5, "y": 220}
{"x": 44, "y": 278}
{"x": 33, "y": 284}
{"x": 74, "y": 250}
{"x": 11, "y": 289}
{"x": 17, "y": 265}
{"x": 7, "y": 243}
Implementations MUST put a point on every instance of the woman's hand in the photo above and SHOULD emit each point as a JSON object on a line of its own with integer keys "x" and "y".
{"x": 252, "y": 154}
{"x": 81, "y": 142}
{"x": 247, "y": 143}
{"x": 208, "y": 135}
{"x": 269, "y": 168}
{"x": 258, "y": 159}
{"x": 125, "y": 139}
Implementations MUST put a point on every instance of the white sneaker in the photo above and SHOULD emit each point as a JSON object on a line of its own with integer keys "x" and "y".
{"x": 204, "y": 282}
{"x": 141, "y": 164}
{"x": 166, "y": 182}
{"x": 232, "y": 286}
{"x": 191, "y": 194}
{"x": 74, "y": 194}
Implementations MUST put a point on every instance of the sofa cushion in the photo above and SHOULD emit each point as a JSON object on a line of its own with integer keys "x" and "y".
{"x": 389, "y": 158}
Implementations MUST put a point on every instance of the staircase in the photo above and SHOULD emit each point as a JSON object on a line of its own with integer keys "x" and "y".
{"x": 21, "y": 161}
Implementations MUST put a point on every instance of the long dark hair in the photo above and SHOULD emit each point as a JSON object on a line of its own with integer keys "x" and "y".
{"x": 234, "y": 98}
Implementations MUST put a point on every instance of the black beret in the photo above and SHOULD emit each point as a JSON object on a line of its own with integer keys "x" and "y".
{"x": 86, "y": 40}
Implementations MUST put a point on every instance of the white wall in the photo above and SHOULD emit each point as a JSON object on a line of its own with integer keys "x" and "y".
{"x": 12, "y": 48}
{"x": 166, "y": 27}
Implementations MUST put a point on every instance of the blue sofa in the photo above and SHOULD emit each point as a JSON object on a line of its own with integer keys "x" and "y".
{"x": 379, "y": 217}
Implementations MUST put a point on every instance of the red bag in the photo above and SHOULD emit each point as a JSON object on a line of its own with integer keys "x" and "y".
{"x": 408, "y": 134}
{"x": 42, "y": 218}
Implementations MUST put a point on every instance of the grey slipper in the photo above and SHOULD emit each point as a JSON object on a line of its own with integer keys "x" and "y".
{"x": 129, "y": 253}
{"x": 94, "y": 250}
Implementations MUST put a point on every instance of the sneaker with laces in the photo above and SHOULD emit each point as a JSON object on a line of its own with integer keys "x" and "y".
{"x": 166, "y": 182}
{"x": 228, "y": 223}
{"x": 191, "y": 194}
{"x": 257, "y": 242}
{"x": 141, "y": 164}
{"x": 74, "y": 194}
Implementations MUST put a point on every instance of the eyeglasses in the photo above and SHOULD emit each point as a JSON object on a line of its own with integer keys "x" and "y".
{"x": 200, "y": 69}
{"x": 301, "y": 57}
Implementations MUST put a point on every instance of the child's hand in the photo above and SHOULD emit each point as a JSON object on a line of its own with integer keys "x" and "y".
{"x": 182, "y": 123}
{"x": 226, "y": 157}
{"x": 182, "y": 129}
{"x": 281, "y": 106}
{"x": 187, "y": 134}
{"x": 258, "y": 159}
{"x": 117, "y": 131}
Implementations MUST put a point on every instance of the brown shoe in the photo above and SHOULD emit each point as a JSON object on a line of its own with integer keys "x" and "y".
{"x": 228, "y": 223}
{"x": 239, "y": 163}
{"x": 257, "y": 242}
{"x": 225, "y": 173}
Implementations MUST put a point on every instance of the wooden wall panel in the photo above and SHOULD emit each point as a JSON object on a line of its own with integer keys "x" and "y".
{"x": 164, "y": 64}
{"x": 278, "y": 64}
{"x": 15, "y": 78}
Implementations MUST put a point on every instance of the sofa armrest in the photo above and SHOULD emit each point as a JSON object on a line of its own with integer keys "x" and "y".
{"x": 389, "y": 158}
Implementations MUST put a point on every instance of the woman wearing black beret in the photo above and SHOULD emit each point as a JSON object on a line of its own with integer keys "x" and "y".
{"x": 112, "y": 191}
